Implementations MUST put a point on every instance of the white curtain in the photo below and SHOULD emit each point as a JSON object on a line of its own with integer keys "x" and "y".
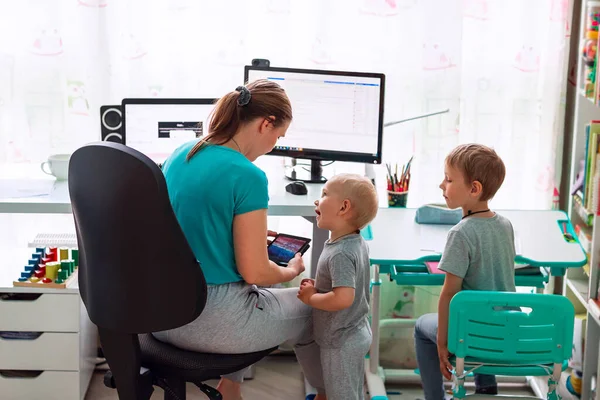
{"x": 498, "y": 65}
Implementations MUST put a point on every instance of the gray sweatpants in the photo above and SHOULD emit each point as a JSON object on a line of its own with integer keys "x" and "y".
{"x": 342, "y": 373}
{"x": 241, "y": 318}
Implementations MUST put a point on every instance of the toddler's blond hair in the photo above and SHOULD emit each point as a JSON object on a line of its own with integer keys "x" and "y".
{"x": 362, "y": 195}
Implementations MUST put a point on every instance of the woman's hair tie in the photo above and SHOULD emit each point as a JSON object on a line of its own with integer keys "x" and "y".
{"x": 244, "y": 97}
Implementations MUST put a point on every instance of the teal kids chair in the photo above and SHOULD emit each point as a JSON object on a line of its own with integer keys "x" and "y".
{"x": 515, "y": 334}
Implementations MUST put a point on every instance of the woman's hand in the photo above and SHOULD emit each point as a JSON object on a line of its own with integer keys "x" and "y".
{"x": 296, "y": 264}
{"x": 272, "y": 234}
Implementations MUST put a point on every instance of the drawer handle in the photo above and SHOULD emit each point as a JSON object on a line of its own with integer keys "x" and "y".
{"x": 13, "y": 373}
{"x": 20, "y": 296}
{"x": 10, "y": 335}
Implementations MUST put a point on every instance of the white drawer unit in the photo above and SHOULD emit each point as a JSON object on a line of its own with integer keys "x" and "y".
{"x": 48, "y": 351}
{"x": 39, "y": 312}
{"x": 47, "y": 385}
{"x": 47, "y": 344}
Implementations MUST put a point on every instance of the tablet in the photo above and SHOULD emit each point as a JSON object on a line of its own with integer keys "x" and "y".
{"x": 284, "y": 247}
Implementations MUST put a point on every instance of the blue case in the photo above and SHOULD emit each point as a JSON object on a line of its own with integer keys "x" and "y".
{"x": 437, "y": 214}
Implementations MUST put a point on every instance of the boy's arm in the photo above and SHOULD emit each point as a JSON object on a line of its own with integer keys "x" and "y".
{"x": 452, "y": 285}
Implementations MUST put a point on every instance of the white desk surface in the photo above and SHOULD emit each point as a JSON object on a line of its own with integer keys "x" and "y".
{"x": 22, "y": 177}
{"x": 540, "y": 236}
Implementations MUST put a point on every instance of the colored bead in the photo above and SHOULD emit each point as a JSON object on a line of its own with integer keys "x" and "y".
{"x": 46, "y": 280}
{"x": 75, "y": 256}
{"x": 64, "y": 254}
{"x": 52, "y": 270}
{"x": 34, "y": 279}
{"x": 21, "y": 279}
{"x": 64, "y": 265}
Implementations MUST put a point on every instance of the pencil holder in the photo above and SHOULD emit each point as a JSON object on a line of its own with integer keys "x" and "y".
{"x": 397, "y": 199}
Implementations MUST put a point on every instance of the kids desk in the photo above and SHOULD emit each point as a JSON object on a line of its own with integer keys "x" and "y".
{"x": 399, "y": 247}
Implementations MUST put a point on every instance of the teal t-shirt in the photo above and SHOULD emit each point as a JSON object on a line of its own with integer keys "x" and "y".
{"x": 206, "y": 193}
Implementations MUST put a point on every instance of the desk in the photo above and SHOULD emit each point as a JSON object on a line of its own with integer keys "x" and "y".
{"x": 281, "y": 203}
{"x": 57, "y": 201}
{"x": 397, "y": 247}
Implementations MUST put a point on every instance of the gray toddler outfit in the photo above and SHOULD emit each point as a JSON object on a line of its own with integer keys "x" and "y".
{"x": 342, "y": 338}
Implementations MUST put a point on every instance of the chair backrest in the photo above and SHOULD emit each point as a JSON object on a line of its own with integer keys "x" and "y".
{"x": 489, "y": 326}
{"x": 137, "y": 273}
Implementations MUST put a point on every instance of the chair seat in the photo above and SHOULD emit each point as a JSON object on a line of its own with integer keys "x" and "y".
{"x": 515, "y": 369}
{"x": 167, "y": 360}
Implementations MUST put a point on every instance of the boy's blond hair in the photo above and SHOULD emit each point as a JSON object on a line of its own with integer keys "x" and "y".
{"x": 479, "y": 163}
{"x": 362, "y": 195}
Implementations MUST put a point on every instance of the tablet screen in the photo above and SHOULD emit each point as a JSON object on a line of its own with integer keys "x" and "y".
{"x": 284, "y": 248}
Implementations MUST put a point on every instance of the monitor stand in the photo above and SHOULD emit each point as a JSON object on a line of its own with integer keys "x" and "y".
{"x": 312, "y": 174}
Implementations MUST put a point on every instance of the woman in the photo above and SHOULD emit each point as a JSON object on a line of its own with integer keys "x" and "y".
{"x": 220, "y": 199}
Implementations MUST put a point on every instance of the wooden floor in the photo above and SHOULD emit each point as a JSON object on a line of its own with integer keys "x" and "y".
{"x": 279, "y": 377}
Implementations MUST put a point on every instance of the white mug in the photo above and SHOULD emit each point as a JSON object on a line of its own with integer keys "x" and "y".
{"x": 57, "y": 165}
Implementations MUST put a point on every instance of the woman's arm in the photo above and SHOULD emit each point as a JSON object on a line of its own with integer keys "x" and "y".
{"x": 249, "y": 235}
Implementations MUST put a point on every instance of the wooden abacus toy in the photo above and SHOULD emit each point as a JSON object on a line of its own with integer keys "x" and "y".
{"x": 50, "y": 267}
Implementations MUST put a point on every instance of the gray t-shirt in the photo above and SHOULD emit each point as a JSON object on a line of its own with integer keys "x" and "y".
{"x": 343, "y": 263}
{"x": 482, "y": 252}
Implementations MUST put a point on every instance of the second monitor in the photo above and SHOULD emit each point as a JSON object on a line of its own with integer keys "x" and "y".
{"x": 337, "y": 116}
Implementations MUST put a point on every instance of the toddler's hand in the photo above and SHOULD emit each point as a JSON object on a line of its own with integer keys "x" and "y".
{"x": 307, "y": 280}
{"x": 297, "y": 264}
{"x": 305, "y": 293}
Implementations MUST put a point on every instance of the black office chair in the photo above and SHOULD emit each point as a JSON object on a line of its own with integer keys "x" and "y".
{"x": 137, "y": 274}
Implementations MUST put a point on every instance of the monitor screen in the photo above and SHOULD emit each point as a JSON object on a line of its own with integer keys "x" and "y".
{"x": 336, "y": 115}
{"x": 156, "y": 127}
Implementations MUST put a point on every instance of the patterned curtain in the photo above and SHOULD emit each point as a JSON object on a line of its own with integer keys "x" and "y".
{"x": 498, "y": 65}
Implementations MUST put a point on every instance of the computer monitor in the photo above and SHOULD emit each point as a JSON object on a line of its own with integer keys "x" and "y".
{"x": 337, "y": 116}
{"x": 156, "y": 127}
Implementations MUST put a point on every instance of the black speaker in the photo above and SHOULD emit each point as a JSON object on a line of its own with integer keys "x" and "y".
{"x": 111, "y": 124}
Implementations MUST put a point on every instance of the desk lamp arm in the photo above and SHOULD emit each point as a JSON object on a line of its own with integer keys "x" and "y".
{"x": 369, "y": 170}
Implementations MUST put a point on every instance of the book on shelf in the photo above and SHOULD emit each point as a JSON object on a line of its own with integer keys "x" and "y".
{"x": 586, "y": 189}
{"x": 585, "y": 239}
{"x": 586, "y": 216}
{"x": 591, "y": 158}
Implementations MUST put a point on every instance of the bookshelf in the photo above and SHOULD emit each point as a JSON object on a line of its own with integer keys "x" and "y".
{"x": 580, "y": 285}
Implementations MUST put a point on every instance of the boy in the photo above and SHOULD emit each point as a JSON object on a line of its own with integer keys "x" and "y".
{"x": 479, "y": 255}
{"x": 340, "y": 292}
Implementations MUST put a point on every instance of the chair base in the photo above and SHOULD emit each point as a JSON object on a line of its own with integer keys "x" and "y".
{"x": 175, "y": 389}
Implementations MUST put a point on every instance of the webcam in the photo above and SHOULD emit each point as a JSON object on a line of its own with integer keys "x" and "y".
{"x": 261, "y": 62}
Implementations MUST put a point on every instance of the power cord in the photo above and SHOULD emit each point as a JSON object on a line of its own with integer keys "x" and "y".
{"x": 322, "y": 165}
{"x": 308, "y": 165}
